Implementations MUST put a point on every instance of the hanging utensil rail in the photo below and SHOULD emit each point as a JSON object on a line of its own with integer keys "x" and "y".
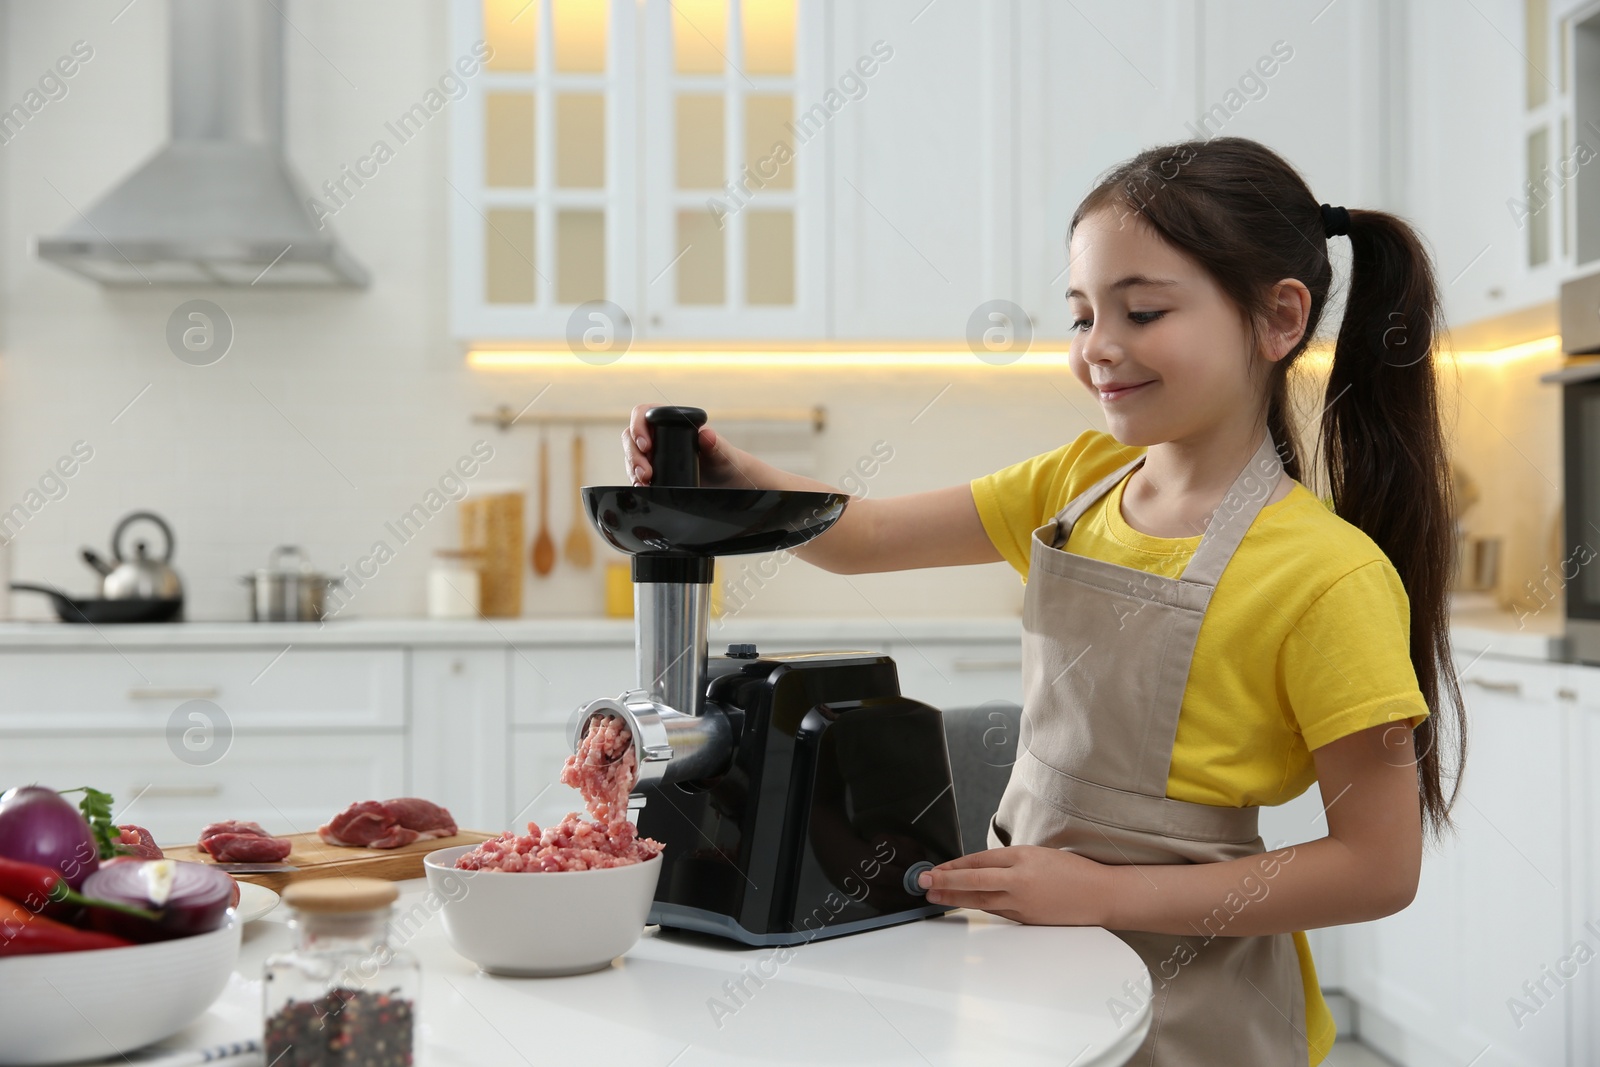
{"x": 504, "y": 417}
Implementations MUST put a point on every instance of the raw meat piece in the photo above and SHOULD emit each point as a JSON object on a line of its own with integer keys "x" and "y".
{"x": 243, "y": 842}
{"x": 604, "y": 769}
{"x": 139, "y": 842}
{"x": 233, "y": 826}
{"x": 388, "y": 823}
{"x": 575, "y": 844}
{"x": 423, "y": 816}
{"x": 246, "y": 848}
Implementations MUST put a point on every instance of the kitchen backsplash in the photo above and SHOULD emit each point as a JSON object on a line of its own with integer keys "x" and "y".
{"x": 1507, "y": 440}
{"x": 333, "y": 413}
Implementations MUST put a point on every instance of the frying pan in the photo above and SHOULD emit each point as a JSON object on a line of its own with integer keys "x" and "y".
{"x": 97, "y": 610}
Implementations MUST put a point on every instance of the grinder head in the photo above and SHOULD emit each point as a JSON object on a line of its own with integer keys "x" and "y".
{"x": 671, "y": 520}
{"x": 674, "y": 529}
{"x": 675, "y": 517}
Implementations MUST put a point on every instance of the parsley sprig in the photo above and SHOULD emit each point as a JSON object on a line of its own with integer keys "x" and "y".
{"x": 96, "y": 808}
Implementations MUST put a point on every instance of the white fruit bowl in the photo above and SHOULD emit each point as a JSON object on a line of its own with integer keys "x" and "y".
{"x": 540, "y": 924}
{"x": 66, "y": 1006}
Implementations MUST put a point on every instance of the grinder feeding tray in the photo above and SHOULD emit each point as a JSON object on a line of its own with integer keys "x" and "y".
{"x": 797, "y": 795}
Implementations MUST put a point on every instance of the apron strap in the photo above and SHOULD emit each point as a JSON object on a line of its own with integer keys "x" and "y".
{"x": 1068, "y": 516}
{"x": 1228, "y": 523}
{"x": 1239, "y": 507}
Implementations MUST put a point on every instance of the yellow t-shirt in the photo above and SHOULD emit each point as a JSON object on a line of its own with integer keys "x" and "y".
{"x": 1306, "y": 638}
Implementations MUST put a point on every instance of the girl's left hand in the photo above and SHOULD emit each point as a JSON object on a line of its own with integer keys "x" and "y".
{"x": 1027, "y": 884}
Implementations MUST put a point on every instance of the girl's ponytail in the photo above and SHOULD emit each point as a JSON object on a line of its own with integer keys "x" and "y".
{"x": 1386, "y": 459}
{"x": 1244, "y": 214}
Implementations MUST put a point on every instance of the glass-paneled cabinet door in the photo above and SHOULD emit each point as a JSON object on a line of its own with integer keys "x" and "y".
{"x": 543, "y": 173}
{"x": 735, "y": 127}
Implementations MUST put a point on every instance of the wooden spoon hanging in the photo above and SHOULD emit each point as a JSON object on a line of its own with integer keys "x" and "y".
{"x": 578, "y": 550}
{"x": 544, "y": 546}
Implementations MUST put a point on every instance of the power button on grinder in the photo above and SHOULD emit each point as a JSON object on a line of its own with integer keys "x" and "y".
{"x": 914, "y": 872}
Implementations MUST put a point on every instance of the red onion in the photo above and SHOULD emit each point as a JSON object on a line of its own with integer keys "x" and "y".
{"x": 195, "y": 900}
{"x": 39, "y": 825}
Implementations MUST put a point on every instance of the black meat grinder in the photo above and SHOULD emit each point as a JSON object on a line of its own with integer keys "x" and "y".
{"x": 797, "y": 795}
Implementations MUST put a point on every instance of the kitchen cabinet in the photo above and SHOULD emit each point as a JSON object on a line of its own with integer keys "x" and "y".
{"x": 547, "y": 686}
{"x": 1439, "y": 983}
{"x": 639, "y": 170}
{"x": 733, "y": 166}
{"x": 1129, "y": 83}
{"x": 459, "y": 718}
{"x": 287, "y": 724}
{"x": 288, "y": 784}
{"x": 1581, "y": 692}
{"x": 182, "y": 737}
{"x": 922, "y": 231}
{"x": 275, "y": 687}
{"x": 1511, "y": 865}
{"x": 1466, "y": 154}
{"x": 549, "y": 683}
{"x": 813, "y": 170}
{"x": 537, "y": 754}
{"x": 948, "y": 674}
{"x": 542, "y": 189}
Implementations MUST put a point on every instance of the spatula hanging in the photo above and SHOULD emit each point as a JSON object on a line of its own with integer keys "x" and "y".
{"x": 544, "y": 546}
{"x": 579, "y": 552}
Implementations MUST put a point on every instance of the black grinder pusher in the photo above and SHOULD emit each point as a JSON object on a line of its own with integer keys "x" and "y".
{"x": 797, "y": 795}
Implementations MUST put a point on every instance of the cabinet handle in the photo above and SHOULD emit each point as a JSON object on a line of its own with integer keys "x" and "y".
{"x": 181, "y": 692}
{"x": 1514, "y": 688}
{"x": 986, "y": 665}
{"x": 1566, "y": 694}
{"x": 156, "y": 792}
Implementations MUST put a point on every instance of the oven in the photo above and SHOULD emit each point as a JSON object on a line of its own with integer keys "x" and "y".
{"x": 1580, "y": 455}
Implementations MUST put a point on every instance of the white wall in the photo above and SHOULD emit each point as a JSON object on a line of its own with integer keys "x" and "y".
{"x": 334, "y": 411}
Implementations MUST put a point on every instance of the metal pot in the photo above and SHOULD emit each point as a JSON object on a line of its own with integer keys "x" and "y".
{"x": 287, "y": 589}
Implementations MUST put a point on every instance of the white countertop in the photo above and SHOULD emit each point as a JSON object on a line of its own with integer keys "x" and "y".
{"x": 1474, "y": 627}
{"x": 579, "y": 630}
{"x": 1478, "y": 628}
{"x": 961, "y": 988}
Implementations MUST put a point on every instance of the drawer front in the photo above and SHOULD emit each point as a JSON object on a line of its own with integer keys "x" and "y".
{"x": 549, "y": 684}
{"x": 537, "y": 753}
{"x": 287, "y": 784}
{"x": 959, "y": 674}
{"x": 257, "y": 688}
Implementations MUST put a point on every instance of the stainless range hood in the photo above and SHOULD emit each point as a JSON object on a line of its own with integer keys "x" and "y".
{"x": 218, "y": 205}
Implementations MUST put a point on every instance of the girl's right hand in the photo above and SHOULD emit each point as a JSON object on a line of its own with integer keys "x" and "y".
{"x": 718, "y": 467}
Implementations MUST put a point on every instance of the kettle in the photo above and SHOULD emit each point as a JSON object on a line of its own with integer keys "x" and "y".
{"x": 143, "y": 577}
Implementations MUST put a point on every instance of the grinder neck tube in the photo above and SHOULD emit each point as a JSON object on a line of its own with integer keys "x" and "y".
{"x": 671, "y": 594}
{"x": 670, "y": 637}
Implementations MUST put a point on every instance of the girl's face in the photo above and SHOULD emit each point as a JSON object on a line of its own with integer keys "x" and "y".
{"x": 1154, "y": 338}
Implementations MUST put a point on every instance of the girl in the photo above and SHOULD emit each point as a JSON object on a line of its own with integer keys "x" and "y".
{"x": 1202, "y": 635}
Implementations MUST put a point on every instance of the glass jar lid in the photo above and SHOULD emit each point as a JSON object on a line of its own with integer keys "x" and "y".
{"x": 340, "y": 896}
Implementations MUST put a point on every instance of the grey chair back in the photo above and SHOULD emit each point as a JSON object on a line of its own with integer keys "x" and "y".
{"x": 983, "y": 746}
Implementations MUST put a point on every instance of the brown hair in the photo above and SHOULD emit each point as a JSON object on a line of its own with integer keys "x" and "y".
{"x": 1245, "y": 215}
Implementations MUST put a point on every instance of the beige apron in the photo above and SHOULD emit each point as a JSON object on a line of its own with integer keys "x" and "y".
{"x": 1106, "y": 652}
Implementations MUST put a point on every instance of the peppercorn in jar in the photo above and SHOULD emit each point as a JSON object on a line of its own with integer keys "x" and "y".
{"x": 343, "y": 994}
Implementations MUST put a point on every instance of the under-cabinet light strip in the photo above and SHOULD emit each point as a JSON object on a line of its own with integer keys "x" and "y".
{"x": 757, "y": 359}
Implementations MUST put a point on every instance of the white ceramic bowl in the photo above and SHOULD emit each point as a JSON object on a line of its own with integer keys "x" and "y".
{"x": 540, "y": 924}
{"x": 66, "y": 1006}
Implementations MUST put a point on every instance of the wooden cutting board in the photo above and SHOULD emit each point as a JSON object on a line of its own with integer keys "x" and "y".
{"x": 318, "y": 859}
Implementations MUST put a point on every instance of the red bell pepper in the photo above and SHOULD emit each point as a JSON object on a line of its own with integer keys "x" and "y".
{"x": 35, "y": 884}
{"x": 24, "y": 933}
